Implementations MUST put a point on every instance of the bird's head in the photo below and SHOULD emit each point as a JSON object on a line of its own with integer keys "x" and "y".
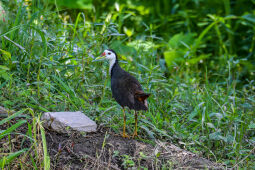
{"x": 109, "y": 55}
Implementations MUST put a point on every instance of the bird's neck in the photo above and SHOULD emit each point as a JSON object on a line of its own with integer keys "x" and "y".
{"x": 112, "y": 63}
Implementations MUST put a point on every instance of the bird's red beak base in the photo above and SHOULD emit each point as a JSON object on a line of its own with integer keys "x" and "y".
{"x": 103, "y": 54}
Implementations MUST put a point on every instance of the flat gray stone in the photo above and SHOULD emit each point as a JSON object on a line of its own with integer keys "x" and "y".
{"x": 66, "y": 122}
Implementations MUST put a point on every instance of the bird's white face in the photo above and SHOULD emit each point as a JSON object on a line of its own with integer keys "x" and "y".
{"x": 109, "y": 55}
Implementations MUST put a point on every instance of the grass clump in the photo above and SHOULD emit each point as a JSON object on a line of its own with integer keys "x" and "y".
{"x": 201, "y": 81}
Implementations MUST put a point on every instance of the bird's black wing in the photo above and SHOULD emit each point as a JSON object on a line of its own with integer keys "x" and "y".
{"x": 124, "y": 89}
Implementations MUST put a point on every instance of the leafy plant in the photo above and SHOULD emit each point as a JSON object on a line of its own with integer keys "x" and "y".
{"x": 127, "y": 161}
{"x": 196, "y": 58}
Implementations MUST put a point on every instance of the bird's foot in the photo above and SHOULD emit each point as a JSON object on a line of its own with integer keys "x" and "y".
{"x": 135, "y": 135}
{"x": 124, "y": 135}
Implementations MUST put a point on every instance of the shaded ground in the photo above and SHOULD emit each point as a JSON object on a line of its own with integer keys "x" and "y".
{"x": 103, "y": 150}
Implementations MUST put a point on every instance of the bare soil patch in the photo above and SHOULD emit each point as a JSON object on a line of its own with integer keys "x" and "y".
{"x": 105, "y": 150}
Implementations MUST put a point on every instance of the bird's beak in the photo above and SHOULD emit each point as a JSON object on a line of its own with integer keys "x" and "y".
{"x": 101, "y": 57}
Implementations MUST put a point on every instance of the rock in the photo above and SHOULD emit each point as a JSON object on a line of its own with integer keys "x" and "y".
{"x": 66, "y": 122}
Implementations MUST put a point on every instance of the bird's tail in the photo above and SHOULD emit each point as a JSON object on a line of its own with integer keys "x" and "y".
{"x": 141, "y": 96}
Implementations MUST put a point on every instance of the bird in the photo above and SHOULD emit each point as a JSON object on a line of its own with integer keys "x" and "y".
{"x": 126, "y": 89}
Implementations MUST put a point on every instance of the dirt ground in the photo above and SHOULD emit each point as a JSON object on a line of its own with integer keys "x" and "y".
{"x": 103, "y": 150}
{"x": 106, "y": 150}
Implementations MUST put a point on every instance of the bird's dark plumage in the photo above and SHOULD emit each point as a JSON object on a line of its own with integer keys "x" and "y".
{"x": 126, "y": 89}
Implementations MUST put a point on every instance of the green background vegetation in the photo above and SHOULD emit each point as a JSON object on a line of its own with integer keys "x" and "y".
{"x": 196, "y": 58}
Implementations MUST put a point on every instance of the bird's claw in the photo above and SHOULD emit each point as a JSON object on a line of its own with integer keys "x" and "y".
{"x": 135, "y": 135}
{"x": 124, "y": 135}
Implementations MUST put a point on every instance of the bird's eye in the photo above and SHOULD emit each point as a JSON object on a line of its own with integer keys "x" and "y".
{"x": 109, "y": 53}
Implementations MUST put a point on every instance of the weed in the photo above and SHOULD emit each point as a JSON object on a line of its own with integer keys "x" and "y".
{"x": 198, "y": 64}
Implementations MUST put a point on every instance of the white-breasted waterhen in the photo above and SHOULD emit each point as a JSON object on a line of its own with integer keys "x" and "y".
{"x": 126, "y": 89}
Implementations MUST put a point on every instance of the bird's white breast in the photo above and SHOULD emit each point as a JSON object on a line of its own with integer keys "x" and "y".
{"x": 112, "y": 61}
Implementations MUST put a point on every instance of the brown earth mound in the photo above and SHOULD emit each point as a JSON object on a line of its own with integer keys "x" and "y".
{"x": 102, "y": 150}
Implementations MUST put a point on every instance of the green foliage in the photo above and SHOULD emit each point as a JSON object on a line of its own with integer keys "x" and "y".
{"x": 12, "y": 128}
{"x": 178, "y": 49}
{"x": 81, "y": 4}
{"x": 46, "y": 158}
{"x": 30, "y": 148}
{"x": 127, "y": 161}
{"x": 6, "y": 160}
{"x": 195, "y": 57}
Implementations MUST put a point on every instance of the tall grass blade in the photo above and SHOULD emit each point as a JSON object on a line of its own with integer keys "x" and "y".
{"x": 12, "y": 116}
{"x": 6, "y": 160}
{"x": 12, "y": 128}
{"x": 46, "y": 158}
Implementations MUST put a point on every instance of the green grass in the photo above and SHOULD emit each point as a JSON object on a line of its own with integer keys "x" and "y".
{"x": 207, "y": 110}
{"x": 32, "y": 155}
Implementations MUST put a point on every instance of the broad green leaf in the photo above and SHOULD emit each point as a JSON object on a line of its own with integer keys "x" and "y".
{"x": 6, "y": 54}
{"x": 128, "y": 32}
{"x": 173, "y": 56}
{"x": 3, "y": 72}
{"x": 249, "y": 17}
{"x": 181, "y": 40}
{"x": 4, "y": 68}
{"x": 198, "y": 59}
{"x": 4, "y": 75}
{"x": 74, "y": 4}
{"x": 217, "y": 136}
{"x": 192, "y": 115}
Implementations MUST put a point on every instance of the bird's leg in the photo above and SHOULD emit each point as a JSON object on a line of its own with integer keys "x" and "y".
{"x": 135, "y": 132}
{"x": 124, "y": 124}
